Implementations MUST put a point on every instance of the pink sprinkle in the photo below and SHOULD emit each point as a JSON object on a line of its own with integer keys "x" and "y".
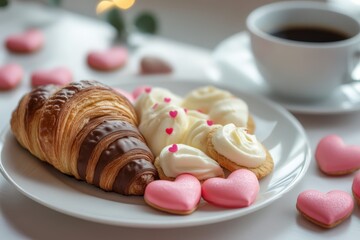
{"x": 148, "y": 89}
{"x": 167, "y": 100}
{"x": 209, "y": 122}
{"x": 173, "y": 148}
{"x": 155, "y": 106}
{"x": 173, "y": 114}
{"x": 185, "y": 110}
{"x": 169, "y": 131}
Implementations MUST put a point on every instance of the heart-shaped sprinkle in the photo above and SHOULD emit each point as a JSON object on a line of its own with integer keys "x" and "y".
{"x": 173, "y": 148}
{"x": 326, "y": 210}
{"x": 173, "y": 114}
{"x": 336, "y": 158}
{"x": 356, "y": 187}
{"x": 108, "y": 60}
{"x": 58, "y": 76}
{"x": 181, "y": 196}
{"x": 209, "y": 123}
{"x": 10, "y": 76}
{"x": 167, "y": 100}
{"x": 169, "y": 131}
{"x": 148, "y": 90}
{"x": 155, "y": 106}
{"x": 239, "y": 190}
{"x": 27, "y": 42}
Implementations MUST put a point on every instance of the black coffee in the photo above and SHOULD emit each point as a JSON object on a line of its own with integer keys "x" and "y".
{"x": 310, "y": 34}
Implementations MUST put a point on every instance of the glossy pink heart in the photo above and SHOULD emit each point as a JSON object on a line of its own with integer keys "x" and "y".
{"x": 336, "y": 158}
{"x": 26, "y": 42}
{"x": 10, "y": 76}
{"x": 325, "y": 209}
{"x": 181, "y": 196}
{"x": 356, "y": 187}
{"x": 173, "y": 148}
{"x": 239, "y": 190}
{"x": 108, "y": 60}
{"x": 57, "y": 76}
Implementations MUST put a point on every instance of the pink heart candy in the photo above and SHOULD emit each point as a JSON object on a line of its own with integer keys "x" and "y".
{"x": 169, "y": 131}
{"x": 10, "y": 76}
{"x": 57, "y": 76}
{"x": 181, "y": 196}
{"x": 336, "y": 158}
{"x": 173, "y": 114}
{"x": 154, "y": 65}
{"x": 239, "y": 190}
{"x": 326, "y": 210}
{"x": 108, "y": 60}
{"x": 126, "y": 94}
{"x": 26, "y": 42}
{"x": 356, "y": 187}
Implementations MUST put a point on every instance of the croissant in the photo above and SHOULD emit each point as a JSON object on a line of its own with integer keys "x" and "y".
{"x": 88, "y": 131}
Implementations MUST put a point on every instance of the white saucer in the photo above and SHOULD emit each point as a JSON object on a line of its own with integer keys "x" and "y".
{"x": 237, "y": 65}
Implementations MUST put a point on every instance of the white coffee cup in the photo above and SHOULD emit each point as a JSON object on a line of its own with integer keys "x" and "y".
{"x": 297, "y": 69}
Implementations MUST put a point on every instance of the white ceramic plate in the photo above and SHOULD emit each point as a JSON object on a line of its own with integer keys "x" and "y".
{"x": 237, "y": 65}
{"x": 276, "y": 128}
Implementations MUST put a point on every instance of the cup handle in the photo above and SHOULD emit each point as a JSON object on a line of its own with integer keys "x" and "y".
{"x": 354, "y": 69}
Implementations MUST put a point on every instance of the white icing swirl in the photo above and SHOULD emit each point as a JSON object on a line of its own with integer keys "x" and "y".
{"x": 156, "y": 95}
{"x": 203, "y": 98}
{"x": 196, "y": 135}
{"x": 238, "y": 146}
{"x": 230, "y": 110}
{"x": 190, "y": 160}
{"x": 160, "y": 128}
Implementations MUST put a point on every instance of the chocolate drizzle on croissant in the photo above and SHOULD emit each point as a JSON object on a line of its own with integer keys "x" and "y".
{"x": 86, "y": 130}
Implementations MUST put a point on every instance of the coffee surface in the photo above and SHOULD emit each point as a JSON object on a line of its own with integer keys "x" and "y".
{"x": 310, "y": 34}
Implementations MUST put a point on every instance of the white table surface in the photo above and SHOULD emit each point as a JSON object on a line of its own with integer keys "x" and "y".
{"x": 22, "y": 218}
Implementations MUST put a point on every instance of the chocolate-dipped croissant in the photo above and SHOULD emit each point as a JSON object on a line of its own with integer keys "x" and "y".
{"x": 88, "y": 131}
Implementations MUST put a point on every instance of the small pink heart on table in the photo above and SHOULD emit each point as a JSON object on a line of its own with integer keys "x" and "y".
{"x": 239, "y": 190}
{"x": 26, "y": 42}
{"x": 181, "y": 196}
{"x": 10, "y": 76}
{"x": 325, "y": 209}
{"x": 108, "y": 60}
{"x": 57, "y": 76}
{"x": 356, "y": 187}
{"x": 154, "y": 65}
{"x": 336, "y": 158}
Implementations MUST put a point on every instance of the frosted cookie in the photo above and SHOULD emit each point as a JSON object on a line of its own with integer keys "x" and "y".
{"x": 177, "y": 159}
{"x": 239, "y": 190}
{"x": 163, "y": 124}
{"x": 58, "y": 76}
{"x": 326, "y": 210}
{"x": 356, "y": 187}
{"x": 108, "y": 60}
{"x": 10, "y": 76}
{"x": 28, "y": 42}
{"x": 234, "y": 148}
{"x": 203, "y": 98}
{"x": 181, "y": 196}
{"x": 335, "y": 158}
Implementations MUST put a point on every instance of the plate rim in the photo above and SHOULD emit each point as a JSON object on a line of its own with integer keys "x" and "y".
{"x": 293, "y": 106}
{"x": 135, "y": 223}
